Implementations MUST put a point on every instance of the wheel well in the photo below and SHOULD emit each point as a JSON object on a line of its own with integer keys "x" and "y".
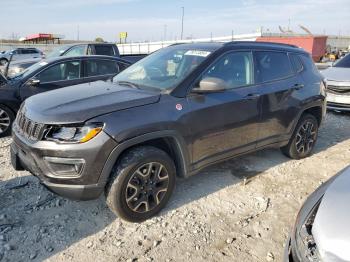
{"x": 168, "y": 145}
{"x": 316, "y": 112}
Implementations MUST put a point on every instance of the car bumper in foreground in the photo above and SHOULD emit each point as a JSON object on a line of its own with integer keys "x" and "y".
{"x": 70, "y": 170}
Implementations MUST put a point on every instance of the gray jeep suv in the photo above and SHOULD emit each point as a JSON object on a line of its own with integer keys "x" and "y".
{"x": 170, "y": 114}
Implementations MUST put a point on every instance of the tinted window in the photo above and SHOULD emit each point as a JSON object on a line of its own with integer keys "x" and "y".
{"x": 76, "y": 51}
{"x": 29, "y": 51}
{"x": 63, "y": 71}
{"x": 297, "y": 65}
{"x": 272, "y": 66}
{"x": 344, "y": 62}
{"x": 104, "y": 50}
{"x": 234, "y": 68}
{"x": 309, "y": 63}
{"x": 98, "y": 67}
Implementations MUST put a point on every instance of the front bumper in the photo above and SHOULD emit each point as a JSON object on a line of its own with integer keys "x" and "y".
{"x": 85, "y": 185}
{"x": 339, "y": 102}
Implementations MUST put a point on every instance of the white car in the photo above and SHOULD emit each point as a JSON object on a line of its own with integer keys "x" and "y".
{"x": 338, "y": 84}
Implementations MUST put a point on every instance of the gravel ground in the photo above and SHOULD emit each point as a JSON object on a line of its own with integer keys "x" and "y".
{"x": 240, "y": 210}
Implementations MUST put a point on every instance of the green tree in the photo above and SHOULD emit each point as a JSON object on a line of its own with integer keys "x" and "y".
{"x": 99, "y": 39}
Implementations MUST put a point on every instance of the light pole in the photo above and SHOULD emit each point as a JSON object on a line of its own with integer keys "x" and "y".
{"x": 182, "y": 22}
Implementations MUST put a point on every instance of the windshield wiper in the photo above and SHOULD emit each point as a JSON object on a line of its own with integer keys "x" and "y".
{"x": 127, "y": 83}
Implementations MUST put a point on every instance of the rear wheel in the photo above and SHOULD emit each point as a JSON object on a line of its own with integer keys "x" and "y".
{"x": 6, "y": 119}
{"x": 141, "y": 184}
{"x": 303, "y": 139}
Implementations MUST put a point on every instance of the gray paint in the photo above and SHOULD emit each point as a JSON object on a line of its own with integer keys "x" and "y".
{"x": 331, "y": 226}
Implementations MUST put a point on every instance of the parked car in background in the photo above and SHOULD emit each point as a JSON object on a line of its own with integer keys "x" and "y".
{"x": 108, "y": 49}
{"x": 321, "y": 231}
{"x": 20, "y": 54}
{"x": 171, "y": 114}
{"x": 337, "y": 78}
{"x": 50, "y": 74}
{"x": 16, "y": 67}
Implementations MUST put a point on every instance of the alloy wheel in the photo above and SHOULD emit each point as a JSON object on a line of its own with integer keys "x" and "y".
{"x": 306, "y": 137}
{"x": 147, "y": 187}
{"x": 4, "y": 121}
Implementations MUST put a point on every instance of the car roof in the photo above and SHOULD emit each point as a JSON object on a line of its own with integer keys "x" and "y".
{"x": 244, "y": 44}
{"x": 64, "y": 58}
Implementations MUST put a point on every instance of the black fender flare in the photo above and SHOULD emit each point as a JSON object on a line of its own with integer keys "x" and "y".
{"x": 180, "y": 151}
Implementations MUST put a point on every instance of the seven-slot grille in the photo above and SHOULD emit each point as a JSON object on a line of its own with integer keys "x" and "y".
{"x": 28, "y": 128}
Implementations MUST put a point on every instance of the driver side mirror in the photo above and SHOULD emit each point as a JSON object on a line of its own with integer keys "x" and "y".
{"x": 210, "y": 85}
{"x": 33, "y": 82}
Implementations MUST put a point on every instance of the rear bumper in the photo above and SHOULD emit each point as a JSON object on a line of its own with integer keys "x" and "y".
{"x": 86, "y": 184}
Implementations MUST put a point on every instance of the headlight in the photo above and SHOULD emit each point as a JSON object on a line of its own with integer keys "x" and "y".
{"x": 304, "y": 240}
{"x": 69, "y": 134}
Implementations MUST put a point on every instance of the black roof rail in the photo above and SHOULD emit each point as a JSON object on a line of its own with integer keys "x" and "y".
{"x": 260, "y": 42}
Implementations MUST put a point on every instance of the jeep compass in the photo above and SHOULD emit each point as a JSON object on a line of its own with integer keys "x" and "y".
{"x": 169, "y": 115}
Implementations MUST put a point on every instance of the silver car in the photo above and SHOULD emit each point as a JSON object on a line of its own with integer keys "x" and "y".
{"x": 321, "y": 231}
{"x": 338, "y": 84}
{"x": 20, "y": 54}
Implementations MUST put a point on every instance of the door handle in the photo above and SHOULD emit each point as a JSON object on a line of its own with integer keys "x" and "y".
{"x": 298, "y": 86}
{"x": 252, "y": 96}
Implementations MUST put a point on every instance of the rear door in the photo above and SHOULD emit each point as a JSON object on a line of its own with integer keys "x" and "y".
{"x": 55, "y": 76}
{"x": 225, "y": 123}
{"x": 279, "y": 89}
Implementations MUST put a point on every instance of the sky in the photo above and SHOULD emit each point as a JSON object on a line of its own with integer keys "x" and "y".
{"x": 155, "y": 20}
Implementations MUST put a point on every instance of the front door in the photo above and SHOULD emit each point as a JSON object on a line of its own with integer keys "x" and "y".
{"x": 56, "y": 76}
{"x": 225, "y": 123}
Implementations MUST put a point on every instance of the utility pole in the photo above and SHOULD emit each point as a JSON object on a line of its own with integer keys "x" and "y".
{"x": 182, "y": 22}
{"x": 165, "y": 29}
{"x": 78, "y": 33}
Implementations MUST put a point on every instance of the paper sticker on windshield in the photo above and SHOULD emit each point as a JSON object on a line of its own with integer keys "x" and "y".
{"x": 43, "y": 63}
{"x": 197, "y": 53}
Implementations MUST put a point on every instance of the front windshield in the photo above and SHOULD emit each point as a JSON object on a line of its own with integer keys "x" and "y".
{"x": 344, "y": 62}
{"x": 164, "y": 69}
{"x": 58, "y": 51}
{"x": 29, "y": 70}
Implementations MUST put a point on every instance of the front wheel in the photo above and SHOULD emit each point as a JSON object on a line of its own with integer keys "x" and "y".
{"x": 141, "y": 184}
{"x": 6, "y": 119}
{"x": 303, "y": 139}
{"x": 3, "y": 62}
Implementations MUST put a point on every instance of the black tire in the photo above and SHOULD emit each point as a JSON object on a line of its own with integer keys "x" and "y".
{"x": 128, "y": 183}
{"x": 303, "y": 141}
{"x": 6, "y": 119}
{"x": 3, "y": 62}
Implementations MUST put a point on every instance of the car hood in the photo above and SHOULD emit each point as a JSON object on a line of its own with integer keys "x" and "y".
{"x": 79, "y": 103}
{"x": 331, "y": 225}
{"x": 337, "y": 74}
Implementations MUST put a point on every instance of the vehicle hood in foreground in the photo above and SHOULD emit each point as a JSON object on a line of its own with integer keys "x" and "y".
{"x": 337, "y": 74}
{"x": 76, "y": 104}
{"x": 331, "y": 228}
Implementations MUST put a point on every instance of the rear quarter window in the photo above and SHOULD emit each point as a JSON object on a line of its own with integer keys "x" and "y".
{"x": 297, "y": 65}
{"x": 104, "y": 50}
{"x": 309, "y": 63}
{"x": 272, "y": 66}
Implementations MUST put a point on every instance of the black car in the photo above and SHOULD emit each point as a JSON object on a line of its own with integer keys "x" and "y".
{"x": 51, "y": 74}
{"x": 171, "y": 114}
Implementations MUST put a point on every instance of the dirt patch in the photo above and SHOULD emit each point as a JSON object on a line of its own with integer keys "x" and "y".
{"x": 240, "y": 210}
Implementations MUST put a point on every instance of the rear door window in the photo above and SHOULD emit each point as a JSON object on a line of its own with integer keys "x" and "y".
{"x": 104, "y": 50}
{"x": 272, "y": 66}
{"x": 99, "y": 67}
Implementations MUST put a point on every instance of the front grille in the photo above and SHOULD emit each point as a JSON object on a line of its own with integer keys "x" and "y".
{"x": 339, "y": 90}
{"x": 28, "y": 128}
